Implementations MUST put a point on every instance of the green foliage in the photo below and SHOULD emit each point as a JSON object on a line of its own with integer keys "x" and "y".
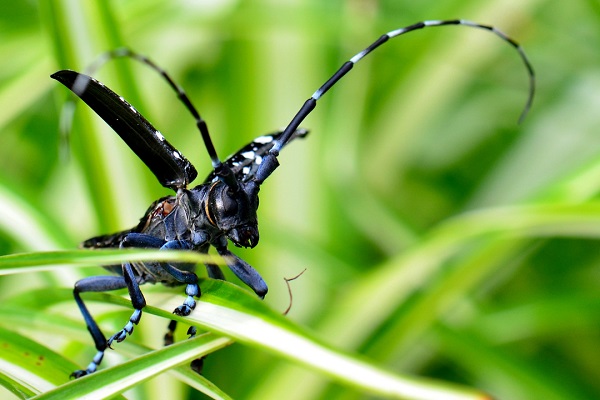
{"x": 440, "y": 238}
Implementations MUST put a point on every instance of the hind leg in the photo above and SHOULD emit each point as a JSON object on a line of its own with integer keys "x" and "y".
{"x": 95, "y": 284}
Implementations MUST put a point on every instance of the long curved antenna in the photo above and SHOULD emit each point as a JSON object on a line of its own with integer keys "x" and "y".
{"x": 220, "y": 170}
{"x": 181, "y": 95}
{"x": 311, "y": 103}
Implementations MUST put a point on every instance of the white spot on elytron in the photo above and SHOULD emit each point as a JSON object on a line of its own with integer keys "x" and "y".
{"x": 246, "y": 170}
{"x": 177, "y": 155}
{"x": 159, "y": 136}
{"x": 258, "y": 160}
{"x": 248, "y": 154}
{"x": 264, "y": 139}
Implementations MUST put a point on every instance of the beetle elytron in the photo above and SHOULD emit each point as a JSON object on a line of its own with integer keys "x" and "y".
{"x": 221, "y": 208}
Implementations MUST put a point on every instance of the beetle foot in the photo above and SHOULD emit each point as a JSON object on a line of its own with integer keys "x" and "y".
{"x": 79, "y": 373}
{"x": 197, "y": 364}
{"x": 192, "y": 332}
{"x": 91, "y": 368}
{"x": 127, "y": 330}
{"x": 192, "y": 290}
{"x": 184, "y": 310}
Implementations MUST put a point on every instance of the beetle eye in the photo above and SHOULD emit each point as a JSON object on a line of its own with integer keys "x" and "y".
{"x": 230, "y": 206}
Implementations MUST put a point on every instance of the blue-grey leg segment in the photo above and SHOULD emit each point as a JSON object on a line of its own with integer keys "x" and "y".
{"x": 95, "y": 284}
{"x": 214, "y": 272}
{"x": 169, "y": 338}
{"x": 245, "y": 272}
{"x": 192, "y": 289}
{"x": 130, "y": 281}
{"x": 137, "y": 300}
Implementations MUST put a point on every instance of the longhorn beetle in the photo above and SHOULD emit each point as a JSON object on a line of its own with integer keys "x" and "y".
{"x": 221, "y": 208}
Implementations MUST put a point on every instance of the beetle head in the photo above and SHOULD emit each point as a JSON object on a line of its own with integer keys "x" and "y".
{"x": 233, "y": 212}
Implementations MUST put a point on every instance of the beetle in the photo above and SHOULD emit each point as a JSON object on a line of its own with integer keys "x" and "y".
{"x": 222, "y": 208}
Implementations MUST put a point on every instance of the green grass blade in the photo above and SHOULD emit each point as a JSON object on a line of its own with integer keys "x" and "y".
{"x": 226, "y": 309}
{"x": 38, "y": 261}
{"x": 115, "y": 380}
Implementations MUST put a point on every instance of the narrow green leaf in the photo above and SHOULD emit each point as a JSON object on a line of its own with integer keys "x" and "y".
{"x": 28, "y": 367}
{"x": 24, "y": 262}
{"x": 106, "y": 383}
{"x": 231, "y": 311}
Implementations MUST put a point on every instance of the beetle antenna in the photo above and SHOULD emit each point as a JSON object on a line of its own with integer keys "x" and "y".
{"x": 311, "y": 103}
{"x": 181, "y": 95}
{"x": 222, "y": 171}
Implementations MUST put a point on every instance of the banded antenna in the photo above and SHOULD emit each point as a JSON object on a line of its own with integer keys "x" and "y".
{"x": 124, "y": 52}
{"x": 220, "y": 170}
{"x": 311, "y": 103}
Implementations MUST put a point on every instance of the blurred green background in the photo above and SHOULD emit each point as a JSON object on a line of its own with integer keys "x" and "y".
{"x": 440, "y": 238}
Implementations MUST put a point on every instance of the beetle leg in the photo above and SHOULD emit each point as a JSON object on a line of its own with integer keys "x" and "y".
{"x": 192, "y": 289}
{"x": 213, "y": 272}
{"x": 95, "y": 284}
{"x": 244, "y": 271}
{"x": 137, "y": 300}
{"x": 191, "y": 279}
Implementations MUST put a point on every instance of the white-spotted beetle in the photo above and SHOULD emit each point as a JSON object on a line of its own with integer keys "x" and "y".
{"x": 223, "y": 207}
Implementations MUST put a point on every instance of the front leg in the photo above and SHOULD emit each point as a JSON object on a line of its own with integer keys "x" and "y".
{"x": 242, "y": 269}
